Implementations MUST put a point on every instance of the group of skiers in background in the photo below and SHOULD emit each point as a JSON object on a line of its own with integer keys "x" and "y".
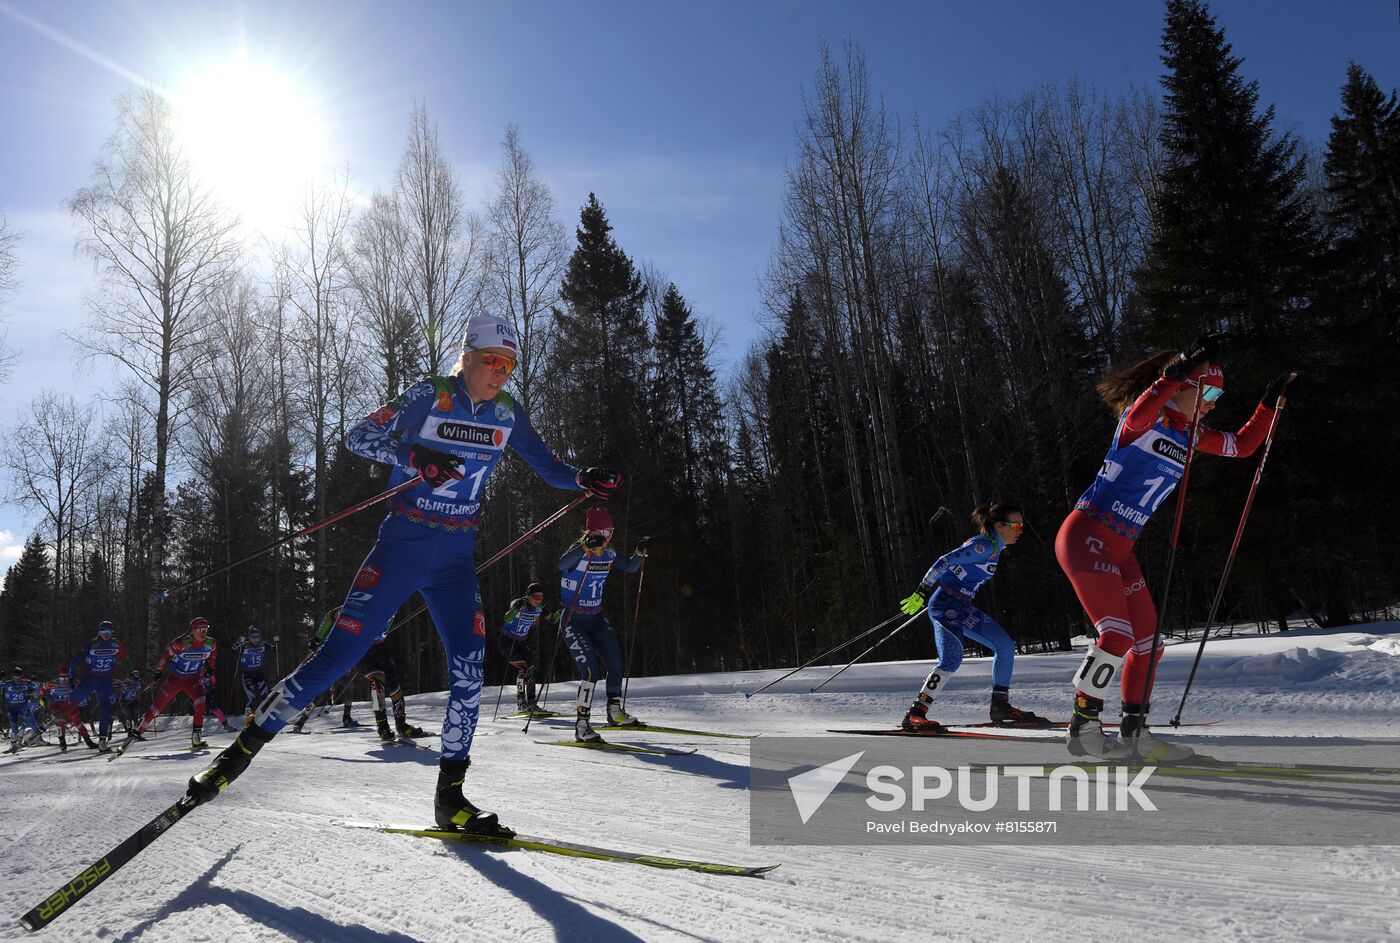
{"x": 109, "y": 681}
{"x": 445, "y": 435}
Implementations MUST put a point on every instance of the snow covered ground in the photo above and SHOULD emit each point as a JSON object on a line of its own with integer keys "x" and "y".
{"x": 263, "y": 864}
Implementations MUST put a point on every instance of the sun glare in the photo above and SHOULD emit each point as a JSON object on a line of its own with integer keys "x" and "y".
{"x": 254, "y": 135}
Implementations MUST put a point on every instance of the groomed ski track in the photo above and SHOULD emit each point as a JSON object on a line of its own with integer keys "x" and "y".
{"x": 262, "y": 863}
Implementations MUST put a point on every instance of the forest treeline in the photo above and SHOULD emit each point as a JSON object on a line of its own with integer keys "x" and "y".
{"x": 937, "y": 311}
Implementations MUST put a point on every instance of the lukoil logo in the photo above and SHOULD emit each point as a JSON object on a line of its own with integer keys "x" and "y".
{"x": 977, "y": 789}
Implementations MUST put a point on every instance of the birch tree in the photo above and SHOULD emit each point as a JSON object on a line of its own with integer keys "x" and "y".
{"x": 162, "y": 245}
{"x": 442, "y": 245}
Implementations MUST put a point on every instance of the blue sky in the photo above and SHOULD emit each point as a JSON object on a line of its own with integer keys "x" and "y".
{"x": 679, "y": 115}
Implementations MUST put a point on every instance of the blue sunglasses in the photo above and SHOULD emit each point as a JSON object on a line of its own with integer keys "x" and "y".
{"x": 1212, "y": 393}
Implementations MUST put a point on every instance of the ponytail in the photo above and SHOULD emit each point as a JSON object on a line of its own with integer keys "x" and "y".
{"x": 1120, "y": 389}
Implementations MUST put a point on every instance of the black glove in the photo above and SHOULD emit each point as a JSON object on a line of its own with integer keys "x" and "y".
{"x": 1276, "y": 389}
{"x": 643, "y": 546}
{"x": 599, "y": 482}
{"x": 158, "y": 676}
{"x": 1203, "y": 349}
{"x": 437, "y": 468}
{"x": 594, "y": 541}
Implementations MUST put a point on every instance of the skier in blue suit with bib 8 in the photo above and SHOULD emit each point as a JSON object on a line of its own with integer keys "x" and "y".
{"x": 451, "y": 431}
{"x": 946, "y": 593}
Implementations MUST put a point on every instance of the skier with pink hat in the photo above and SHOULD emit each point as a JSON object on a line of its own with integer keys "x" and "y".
{"x": 591, "y": 639}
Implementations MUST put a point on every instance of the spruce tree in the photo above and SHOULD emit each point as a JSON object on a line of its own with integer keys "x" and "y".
{"x": 1235, "y": 247}
{"x": 1360, "y": 330}
{"x": 686, "y": 408}
{"x": 1233, "y": 237}
{"x": 600, "y": 349}
{"x": 24, "y": 619}
{"x": 1363, "y": 180}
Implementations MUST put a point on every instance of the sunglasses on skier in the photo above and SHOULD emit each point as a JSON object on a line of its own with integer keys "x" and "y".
{"x": 1212, "y": 393}
{"x": 1017, "y": 526}
{"x": 494, "y": 362}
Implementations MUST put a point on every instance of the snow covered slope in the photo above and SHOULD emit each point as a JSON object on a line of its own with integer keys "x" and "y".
{"x": 262, "y": 863}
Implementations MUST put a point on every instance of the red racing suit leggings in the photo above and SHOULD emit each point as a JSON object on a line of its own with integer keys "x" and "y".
{"x": 189, "y": 685}
{"x": 1100, "y": 565}
{"x": 66, "y": 712}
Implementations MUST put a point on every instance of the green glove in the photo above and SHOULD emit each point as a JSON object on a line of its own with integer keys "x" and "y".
{"x": 913, "y": 604}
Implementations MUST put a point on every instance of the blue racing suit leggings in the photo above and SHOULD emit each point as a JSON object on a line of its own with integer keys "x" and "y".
{"x": 254, "y": 688}
{"x": 594, "y": 646}
{"x": 100, "y": 685}
{"x": 406, "y": 558}
{"x": 21, "y": 714}
{"x": 956, "y": 619}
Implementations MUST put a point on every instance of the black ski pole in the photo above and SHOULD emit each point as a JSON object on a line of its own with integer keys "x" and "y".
{"x": 502, "y": 690}
{"x": 1229, "y": 560}
{"x": 835, "y": 648}
{"x": 632, "y": 640}
{"x": 1191, "y": 431}
{"x": 558, "y": 641}
{"x": 162, "y": 593}
{"x": 501, "y": 554}
{"x": 910, "y": 621}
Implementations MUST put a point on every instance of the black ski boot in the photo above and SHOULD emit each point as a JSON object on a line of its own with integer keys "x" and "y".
{"x": 92, "y": 744}
{"x": 408, "y": 730}
{"x": 228, "y": 765}
{"x": 381, "y": 721}
{"x": 1085, "y": 736}
{"x": 451, "y": 809}
{"x": 197, "y": 739}
{"x": 916, "y": 720}
{"x": 1003, "y": 713}
{"x": 1134, "y": 733}
{"x": 62, "y": 742}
